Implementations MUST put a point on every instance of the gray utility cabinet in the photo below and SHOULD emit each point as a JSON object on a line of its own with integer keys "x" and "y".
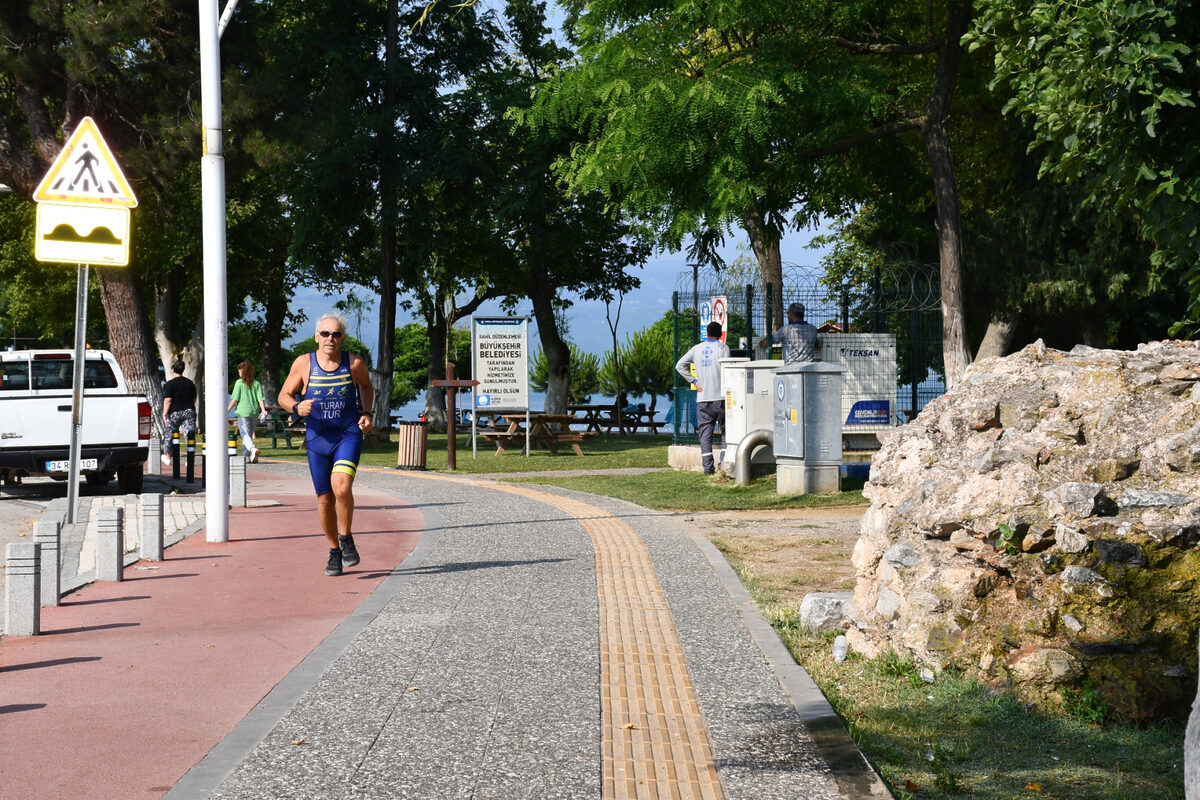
{"x": 808, "y": 428}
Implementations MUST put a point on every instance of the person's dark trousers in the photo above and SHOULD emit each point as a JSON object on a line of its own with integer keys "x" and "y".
{"x": 707, "y": 416}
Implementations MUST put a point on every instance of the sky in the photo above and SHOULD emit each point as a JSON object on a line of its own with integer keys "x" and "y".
{"x": 587, "y": 326}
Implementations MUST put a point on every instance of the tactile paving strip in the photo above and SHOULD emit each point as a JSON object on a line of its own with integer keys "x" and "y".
{"x": 655, "y": 741}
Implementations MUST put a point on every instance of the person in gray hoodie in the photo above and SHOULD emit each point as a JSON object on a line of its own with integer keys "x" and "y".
{"x": 710, "y": 401}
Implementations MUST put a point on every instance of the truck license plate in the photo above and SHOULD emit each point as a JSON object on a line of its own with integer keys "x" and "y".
{"x": 65, "y": 466}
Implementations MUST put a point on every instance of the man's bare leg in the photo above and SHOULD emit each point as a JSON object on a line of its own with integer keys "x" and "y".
{"x": 327, "y": 514}
{"x": 343, "y": 492}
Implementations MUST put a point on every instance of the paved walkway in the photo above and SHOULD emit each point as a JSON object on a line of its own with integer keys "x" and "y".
{"x": 533, "y": 644}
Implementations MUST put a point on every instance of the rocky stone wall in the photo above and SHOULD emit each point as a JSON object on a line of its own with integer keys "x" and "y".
{"x": 1039, "y": 525}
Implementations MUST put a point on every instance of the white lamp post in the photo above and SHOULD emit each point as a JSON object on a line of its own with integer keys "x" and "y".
{"x": 216, "y": 342}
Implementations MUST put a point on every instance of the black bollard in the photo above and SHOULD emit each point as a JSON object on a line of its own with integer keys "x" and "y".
{"x": 175, "y": 455}
{"x": 191, "y": 453}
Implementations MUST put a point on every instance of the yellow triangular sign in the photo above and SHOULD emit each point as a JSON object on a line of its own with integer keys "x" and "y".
{"x": 86, "y": 174}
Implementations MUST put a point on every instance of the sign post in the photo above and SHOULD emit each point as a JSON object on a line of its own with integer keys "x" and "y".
{"x": 452, "y": 385}
{"x": 720, "y": 313}
{"x": 83, "y": 206}
{"x": 500, "y": 364}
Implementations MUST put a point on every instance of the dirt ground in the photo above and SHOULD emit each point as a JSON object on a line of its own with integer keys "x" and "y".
{"x": 794, "y": 551}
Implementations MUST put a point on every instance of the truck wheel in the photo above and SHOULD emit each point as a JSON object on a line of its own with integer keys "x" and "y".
{"x": 129, "y": 478}
{"x": 98, "y": 478}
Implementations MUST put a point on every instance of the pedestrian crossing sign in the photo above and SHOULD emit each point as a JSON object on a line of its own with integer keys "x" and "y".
{"x": 86, "y": 173}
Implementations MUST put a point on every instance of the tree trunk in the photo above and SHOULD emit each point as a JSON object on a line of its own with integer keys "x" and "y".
{"x": 558, "y": 356}
{"x": 129, "y": 337}
{"x": 765, "y": 245}
{"x": 941, "y": 162}
{"x": 382, "y": 376}
{"x": 435, "y": 396}
{"x": 271, "y": 346}
{"x": 997, "y": 340}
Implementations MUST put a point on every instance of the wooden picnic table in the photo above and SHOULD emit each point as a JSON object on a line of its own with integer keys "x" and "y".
{"x": 603, "y": 417}
{"x": 550, "y": 430}
{"x": 590, "y": 414}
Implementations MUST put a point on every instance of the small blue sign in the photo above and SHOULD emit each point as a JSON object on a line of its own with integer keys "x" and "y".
{"x": 705, "y": 316}
{"x": 869, "y": 412}
{"x": 483, "y": 400}
{"x": 779, "y": 391}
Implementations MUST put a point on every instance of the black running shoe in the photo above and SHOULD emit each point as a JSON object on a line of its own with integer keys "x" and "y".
{"x": 334, "y": 567}
{"x": 349, "y": 551}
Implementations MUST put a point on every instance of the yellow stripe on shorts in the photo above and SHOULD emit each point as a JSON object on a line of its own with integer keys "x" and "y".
{"x": 345, "y": 467}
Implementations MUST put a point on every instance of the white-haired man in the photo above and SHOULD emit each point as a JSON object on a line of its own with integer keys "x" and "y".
{"x": 332, "y": 382}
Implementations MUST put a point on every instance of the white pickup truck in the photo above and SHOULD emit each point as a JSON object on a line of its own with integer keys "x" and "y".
{"x": 35, "y": 418}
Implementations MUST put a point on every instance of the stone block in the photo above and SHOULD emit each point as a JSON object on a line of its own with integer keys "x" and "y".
{"x": 150, "y": 514}
{"x": 154, "y": 457}
{"x": 22, "y": 591}
{"x": 1145, "y": 498}
{"x": 237, "y": 481}
{"x": 1077, "y": 499}
{"x": 888, "y": 605}
{"x": 1070, "y": 540}
{"x": 824, "y": 611}
{"x": 46, "y": 534}
{"x": 110, "y": 544}
{"x": 901, "y": 555}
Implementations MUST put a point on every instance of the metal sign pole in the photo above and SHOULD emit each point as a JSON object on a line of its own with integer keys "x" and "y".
{"x": 81, "y": 285}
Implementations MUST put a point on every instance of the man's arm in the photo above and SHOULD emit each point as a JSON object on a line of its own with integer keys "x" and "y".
{"x": 294, "y": 385}
{"x": 681, "y": 366}
{"x": 358, "y": 370}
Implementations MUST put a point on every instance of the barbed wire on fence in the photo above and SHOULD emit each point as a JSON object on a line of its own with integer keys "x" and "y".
{"x": 901, "y": 286}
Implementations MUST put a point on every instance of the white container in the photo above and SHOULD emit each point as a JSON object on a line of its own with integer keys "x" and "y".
{"x": 749, "y": 404}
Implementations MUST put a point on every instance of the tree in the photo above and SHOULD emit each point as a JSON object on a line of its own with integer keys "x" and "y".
{"x": 127, "y": 63}
{"x": 562, "y": 243}
{"x": 1109, "y": 90}
{"x": 412, "y": 360}
{"x": 646, "y": 364}
{"x": 370, "y": 99}
{"x": 584, "y": 378}
{"x": 702, "y": 116}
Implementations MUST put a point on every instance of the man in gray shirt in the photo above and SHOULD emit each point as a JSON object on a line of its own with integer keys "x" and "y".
{"x": 799, "y": 338}
{"x": 710, "y": 400}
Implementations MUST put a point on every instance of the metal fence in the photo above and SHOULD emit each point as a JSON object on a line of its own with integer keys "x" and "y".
{"x": 899, "y": 298}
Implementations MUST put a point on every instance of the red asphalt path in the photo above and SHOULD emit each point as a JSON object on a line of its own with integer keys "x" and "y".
{"x": 132, "y": 683}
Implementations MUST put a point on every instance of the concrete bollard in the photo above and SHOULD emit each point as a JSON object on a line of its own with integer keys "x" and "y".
{"x": 237, "y": 481}
{"x": 23, "y": 613}
{"x": 154, "y": 457}
{"x": 150, "y": 507}
{"x": 110, "y": 544}
{"x": 46, "y": 534}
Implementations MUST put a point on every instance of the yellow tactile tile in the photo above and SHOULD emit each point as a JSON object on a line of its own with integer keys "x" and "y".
{"x": 649, "y": 708}
{"x": 654, "y": 741}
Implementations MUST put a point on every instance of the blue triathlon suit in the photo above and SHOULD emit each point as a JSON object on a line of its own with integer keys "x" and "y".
{"x": 333, "y": 438}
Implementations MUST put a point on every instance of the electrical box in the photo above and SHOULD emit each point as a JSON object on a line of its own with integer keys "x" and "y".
{"x": 868, "y": 385}
{"x": 808, "y": 428}
{"x": 749, "y": 403}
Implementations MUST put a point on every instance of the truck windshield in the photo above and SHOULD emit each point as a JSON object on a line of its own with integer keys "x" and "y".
{"x": 60, "y": 373}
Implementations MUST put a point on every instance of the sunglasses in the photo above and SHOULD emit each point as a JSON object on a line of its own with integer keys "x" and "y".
{"x": 334, "y": 334}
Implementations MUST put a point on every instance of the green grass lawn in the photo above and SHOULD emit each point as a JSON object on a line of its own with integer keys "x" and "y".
{"x": 957, "y": 738}
{"x": 668, "y": 489}
{"x": 692, "y": 491}
{"x": 603, "y": 452}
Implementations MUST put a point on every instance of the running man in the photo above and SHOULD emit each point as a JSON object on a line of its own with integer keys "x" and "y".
{"x": 332, "y": 382}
